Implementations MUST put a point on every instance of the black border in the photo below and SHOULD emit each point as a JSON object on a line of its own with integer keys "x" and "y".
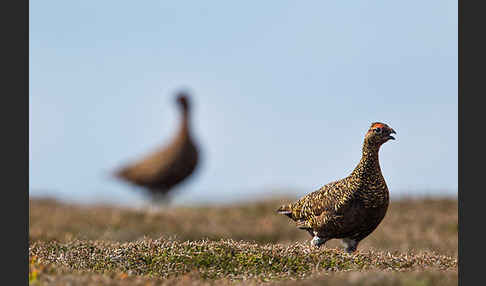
{"x": 15, "y": 132}
{"x": 470, "y": 118}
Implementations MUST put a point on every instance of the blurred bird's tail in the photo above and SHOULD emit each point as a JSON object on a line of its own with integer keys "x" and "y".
{"x": 120, "y": 173}
{"x": 285, "y": 210}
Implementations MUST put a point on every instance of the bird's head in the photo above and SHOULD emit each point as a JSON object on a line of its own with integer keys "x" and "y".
{"x": 182, "y": 100}
{"x": 379, "y": 133}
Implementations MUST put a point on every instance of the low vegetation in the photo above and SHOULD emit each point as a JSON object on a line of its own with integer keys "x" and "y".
{"x": 416, "y": 244}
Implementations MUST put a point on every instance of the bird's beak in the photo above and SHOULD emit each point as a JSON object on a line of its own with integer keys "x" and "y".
{"x": 392, "y": 132}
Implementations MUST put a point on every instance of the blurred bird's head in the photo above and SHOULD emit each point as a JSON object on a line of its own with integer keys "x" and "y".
{"x": 182, "y": 100}
{"x": 379, "y": 133}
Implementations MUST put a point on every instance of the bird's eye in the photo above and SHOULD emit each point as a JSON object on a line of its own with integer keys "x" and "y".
{"x": 378, "y": 130}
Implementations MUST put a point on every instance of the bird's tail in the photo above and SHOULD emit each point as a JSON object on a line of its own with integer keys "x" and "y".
{"x": 123, "y": 173}
{"x": 285, "y": 210}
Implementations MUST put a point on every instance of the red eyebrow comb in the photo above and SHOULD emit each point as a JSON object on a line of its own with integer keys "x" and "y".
{"x": 377, "y": 124}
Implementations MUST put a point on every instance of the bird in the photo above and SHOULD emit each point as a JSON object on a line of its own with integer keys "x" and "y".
{"x": 169, "y": 165}
{"x": 351, "y": 208}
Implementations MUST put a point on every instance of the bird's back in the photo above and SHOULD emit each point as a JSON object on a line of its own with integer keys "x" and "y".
{"x": 163, "y": 168}
{"x": 314, "y": 203}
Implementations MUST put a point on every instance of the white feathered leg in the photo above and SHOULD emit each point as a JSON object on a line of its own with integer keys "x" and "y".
{"x": 318, "y": 241}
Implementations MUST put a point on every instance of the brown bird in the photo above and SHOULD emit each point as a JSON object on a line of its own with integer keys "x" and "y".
{"x": 160, "y": 171}
{"x": 351, "y": 208}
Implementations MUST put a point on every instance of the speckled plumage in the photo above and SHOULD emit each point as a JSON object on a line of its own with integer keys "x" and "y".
{"x": 159, "y": 171}
{"x": 350, "y": 208}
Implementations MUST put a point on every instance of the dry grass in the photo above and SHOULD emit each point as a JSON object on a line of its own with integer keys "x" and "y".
{"x": 410, "y": 224}
{"x": 247, "y": 243}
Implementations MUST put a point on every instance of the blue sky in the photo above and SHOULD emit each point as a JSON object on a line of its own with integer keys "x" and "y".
{"x": 283, "y": 93}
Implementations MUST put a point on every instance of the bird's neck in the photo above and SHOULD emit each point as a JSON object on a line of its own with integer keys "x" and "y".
{"x": 184, "y": 129}
{"x": 369, "y": 163}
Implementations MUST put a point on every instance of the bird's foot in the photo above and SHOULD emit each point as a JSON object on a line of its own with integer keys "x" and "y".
{"x": 350, "y": 244}
{"x": 318, "y": 241}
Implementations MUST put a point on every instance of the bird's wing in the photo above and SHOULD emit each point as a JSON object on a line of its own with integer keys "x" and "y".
{"x": 151, "y": 165}
{"x": 330, "y": 201}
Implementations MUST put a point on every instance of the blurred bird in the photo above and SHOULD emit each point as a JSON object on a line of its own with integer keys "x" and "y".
{"x": 351, "y": 208}
{"x": 160, "y": 171}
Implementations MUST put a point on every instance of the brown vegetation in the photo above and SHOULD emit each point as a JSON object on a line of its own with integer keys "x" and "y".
{"x": 250, "y": 243}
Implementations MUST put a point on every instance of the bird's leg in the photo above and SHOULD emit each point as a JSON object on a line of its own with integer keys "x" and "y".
{"x": 157, "y": 202}
{"x": 318, "y": 241}
{"x": 152, "y": 208}
{"x": 161, "y": 199}
{"x": 350, "y": 244}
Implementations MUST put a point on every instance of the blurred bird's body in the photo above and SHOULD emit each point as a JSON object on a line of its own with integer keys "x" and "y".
{"x": 161, "y": 170}
{"x": 350, "y": 208}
